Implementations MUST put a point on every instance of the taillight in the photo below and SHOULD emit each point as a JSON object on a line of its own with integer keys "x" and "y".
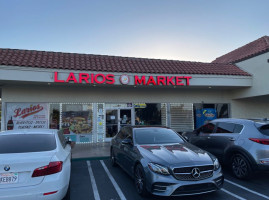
{"x": 52, "y": 168}
{"x": 49, "y": 193}
{"x": 260, "y": 141}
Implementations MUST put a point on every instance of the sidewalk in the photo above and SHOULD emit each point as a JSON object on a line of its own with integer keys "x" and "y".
{"x": 91, "y": 150}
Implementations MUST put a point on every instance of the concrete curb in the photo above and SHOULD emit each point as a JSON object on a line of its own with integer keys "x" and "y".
{"x": 91, "y": 158}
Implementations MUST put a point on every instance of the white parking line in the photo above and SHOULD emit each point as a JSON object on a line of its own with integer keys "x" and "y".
{"x": 232, "y": 194}
{"x": 116, "y": 186}
{"x": 94, "y": 187}
{"x": 249, "y": 190}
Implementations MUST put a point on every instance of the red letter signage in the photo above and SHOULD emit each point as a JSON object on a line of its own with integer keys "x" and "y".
{"x": 56, "y": 78}
{"x": 140, "y": 81}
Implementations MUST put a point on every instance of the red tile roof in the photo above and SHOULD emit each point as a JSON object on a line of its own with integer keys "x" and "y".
{"x": 73, "y": 61}
{"x": 249, "y": 50}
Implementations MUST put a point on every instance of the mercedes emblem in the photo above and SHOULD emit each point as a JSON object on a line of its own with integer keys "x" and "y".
{"x": 195, "y": 172}
{"x": 7, "y": 168}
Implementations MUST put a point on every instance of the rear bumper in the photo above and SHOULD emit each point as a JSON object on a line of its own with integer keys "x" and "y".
{"x": 56, "y": 182}
{"x": 28, "y": 193}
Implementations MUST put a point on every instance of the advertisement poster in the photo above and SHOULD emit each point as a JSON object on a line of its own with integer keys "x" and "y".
{"x": 205, "y": 115}
{"x": 77, "y": 122}
{"x": 27, "y": 115}
{"x": 199, "y": 118}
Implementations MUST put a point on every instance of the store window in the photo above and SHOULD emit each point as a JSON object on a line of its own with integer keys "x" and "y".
{"x": 204, "y": 112}
{"x": 27, "y": 115}
{"x": 148, "y": 114}
{"x": 54, "y": 120}
{"x": 77, "y": 121}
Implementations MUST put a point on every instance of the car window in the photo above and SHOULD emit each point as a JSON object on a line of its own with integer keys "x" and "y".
{"x": 24, "y": 143}
{"x": 224, "y": 127}
{"x": 265, "y": 129}
{"x": 208, "y": 128}
{"x": 156, "y": 136}
{"x": 238, "y": 128}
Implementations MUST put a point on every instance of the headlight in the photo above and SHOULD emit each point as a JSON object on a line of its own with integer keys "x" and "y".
{"x": 158, "y": 169}
{"x": 216, "y": 164}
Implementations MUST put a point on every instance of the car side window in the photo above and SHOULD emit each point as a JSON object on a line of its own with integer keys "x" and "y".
{"x": 224, "y": 127}
{"x": 208, "y": 128}
{"x": 238, "y": 128}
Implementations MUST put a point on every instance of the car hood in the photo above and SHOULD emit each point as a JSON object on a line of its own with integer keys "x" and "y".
{"x": 175, "y": 154}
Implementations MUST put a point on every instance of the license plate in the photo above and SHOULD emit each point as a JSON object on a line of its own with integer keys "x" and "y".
{"x": 9, "y": 178}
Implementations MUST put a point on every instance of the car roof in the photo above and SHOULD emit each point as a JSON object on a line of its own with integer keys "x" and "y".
{"x": 238, "y": 120}
{"x": 29, "y": 131}
{"x": 139, "y": 126}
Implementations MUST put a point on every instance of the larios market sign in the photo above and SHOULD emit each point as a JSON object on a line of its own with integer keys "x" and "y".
{"x": 123, "y": 79}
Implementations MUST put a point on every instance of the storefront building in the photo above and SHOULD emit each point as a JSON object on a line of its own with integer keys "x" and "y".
{"x": 90, "y": 97}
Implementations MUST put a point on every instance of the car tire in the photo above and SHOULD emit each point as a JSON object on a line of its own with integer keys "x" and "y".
{"x": 241, "y": 168}
{"x": 112, "y": 158}
{"x": 140, "y": 181}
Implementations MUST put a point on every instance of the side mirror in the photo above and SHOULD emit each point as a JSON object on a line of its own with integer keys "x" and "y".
{"x": 71, "y": 143}
{"x": 68, "y": 142}
{"x": 127, "y": 141}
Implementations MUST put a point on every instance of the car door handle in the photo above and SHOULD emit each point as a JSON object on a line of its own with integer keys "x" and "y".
{"x": 231, "y": 139}
{"x": 208, "y": 137}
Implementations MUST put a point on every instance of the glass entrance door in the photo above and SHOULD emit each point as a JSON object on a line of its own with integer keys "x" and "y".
{"x": 115, "y": 120}
{"x": 125, "y": 117}
{"x": 111, "y": 123}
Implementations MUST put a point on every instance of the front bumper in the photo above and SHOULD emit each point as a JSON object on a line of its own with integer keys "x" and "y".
{"x": 169, "y": 186}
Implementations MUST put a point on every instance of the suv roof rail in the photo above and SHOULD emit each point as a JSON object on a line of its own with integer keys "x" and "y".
{"x": 260, "y": 119}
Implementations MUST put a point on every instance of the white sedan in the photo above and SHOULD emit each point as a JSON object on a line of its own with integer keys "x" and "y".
{"x": 34, "y": 165}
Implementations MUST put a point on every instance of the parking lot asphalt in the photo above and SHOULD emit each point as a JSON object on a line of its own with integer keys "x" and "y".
{"x": 97, "y": 179}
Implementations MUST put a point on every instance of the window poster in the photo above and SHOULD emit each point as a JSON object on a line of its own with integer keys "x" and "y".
{"x": 77, "y": 121}
{"x": 27, "y": 115}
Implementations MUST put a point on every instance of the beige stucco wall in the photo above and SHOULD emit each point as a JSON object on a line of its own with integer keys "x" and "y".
{"x": 250, "y": 108}
{"x": 242, "y": 108}
{"x": 115, "y": 94}
{"x": 258, "y": 66}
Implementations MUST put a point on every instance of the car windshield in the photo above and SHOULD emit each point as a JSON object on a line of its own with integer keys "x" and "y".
{"x": 156, "y": 136}
{"x": 24, "y": 143}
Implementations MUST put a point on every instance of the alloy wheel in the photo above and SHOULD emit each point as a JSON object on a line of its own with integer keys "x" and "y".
{"x": 139, "y": 180}
{"x": 240, "y": 166}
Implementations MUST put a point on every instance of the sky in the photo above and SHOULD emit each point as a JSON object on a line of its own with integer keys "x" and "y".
{"x": 191, "y": 30}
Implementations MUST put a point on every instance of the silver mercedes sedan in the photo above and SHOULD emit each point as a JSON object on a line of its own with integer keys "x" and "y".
{"x": 163, "y": 163}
